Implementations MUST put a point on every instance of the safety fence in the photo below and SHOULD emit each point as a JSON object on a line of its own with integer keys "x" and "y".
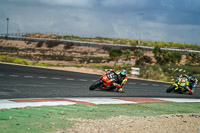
{"x": 85, "y": 43}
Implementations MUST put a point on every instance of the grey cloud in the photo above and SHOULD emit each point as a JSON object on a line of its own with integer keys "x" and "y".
{"x": 167, "y": 20}
{"x": 73, "y": 3}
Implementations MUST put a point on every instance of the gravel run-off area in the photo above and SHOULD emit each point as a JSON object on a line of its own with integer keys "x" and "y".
{"x": 176, "y": 123}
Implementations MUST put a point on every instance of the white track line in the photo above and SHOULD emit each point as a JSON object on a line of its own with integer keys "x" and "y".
{"x": 13, "y": 75}
{"x": 178, "y": 99}
{"x": 82, "y": 79}
{"x": 132, "y": 83}
{"x": 69, "y": 79}
{"x": 55, "y": 78}
{"x": 5, "y": 104}
{"x": 155, "y": 85}
{"x": 8, "y": 103}
{"x": 42, "y": 77}
{"x": 28, "y": 76}
{"x": 144, "y": 84}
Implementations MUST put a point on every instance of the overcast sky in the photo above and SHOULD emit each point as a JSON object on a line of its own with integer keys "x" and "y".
{"x": 162, "y": 20}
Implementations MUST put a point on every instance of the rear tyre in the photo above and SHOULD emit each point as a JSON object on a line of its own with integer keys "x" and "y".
{"x": 95, "y": 85}
{"x": 171, "y": 88}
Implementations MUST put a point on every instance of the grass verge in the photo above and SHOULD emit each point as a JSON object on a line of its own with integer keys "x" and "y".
{"x": 16, "y": 60}
{"x": 49, "y": 119}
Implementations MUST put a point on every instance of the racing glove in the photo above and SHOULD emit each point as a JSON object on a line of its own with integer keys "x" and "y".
{"x": 191, "y": 92}
{"x": 124, "y": 82}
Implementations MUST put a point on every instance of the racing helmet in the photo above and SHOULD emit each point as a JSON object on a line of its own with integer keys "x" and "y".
{"x": 123, "y": 72}
{"x": 193, "y": 79}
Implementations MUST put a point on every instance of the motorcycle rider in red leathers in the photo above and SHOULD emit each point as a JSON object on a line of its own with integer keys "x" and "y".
{"x": 121, "y": 78}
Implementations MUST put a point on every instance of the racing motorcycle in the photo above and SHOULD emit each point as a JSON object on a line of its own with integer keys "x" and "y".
{"x": 180, "y": 87}
{"x": 108, "y": 81}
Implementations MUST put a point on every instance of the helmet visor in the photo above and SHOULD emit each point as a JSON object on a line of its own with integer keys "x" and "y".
{"x": 123, "y": 73}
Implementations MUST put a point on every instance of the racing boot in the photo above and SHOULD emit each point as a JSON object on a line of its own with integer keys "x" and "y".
{"x": 119, "y": 89}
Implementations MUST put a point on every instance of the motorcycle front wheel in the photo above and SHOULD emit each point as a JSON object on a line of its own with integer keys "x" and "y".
{"x": 171, "y": 88}
{"x": 95, "y": 85}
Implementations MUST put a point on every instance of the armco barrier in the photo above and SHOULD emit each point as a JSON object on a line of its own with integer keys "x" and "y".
{"x": 93, "y": 44}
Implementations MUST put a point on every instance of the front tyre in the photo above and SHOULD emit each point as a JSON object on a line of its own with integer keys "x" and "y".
{"x": 171, "y": 88}
{"x": 95, "y": 85}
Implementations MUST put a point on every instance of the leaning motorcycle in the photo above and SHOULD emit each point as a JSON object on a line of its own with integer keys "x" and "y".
{"x": 180, "y": 87}
{"x": 106, "y": 82}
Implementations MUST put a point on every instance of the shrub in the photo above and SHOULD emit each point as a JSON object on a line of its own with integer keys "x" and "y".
{"x": 68, "y": 45}
{"x": 51, "y": 44}
{"x": 123, "y": 41}
{"x": 144, "y": 60}
{"x": 76, "y": 65}
{"x": 166, "y": 57}
{"x": 43, "y": 64}
{"x": 138, "y": 53}
{"x": 20, "y": 61}
{"x": 115, "y": 54}
{"x": 167, "y": 73}
{"x": 14, "y": 60}
{"x": 39, "y": 44}
{"x": 193, "y": 58}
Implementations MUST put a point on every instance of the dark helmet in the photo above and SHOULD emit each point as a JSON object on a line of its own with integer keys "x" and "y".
{"x": 192, "y": 79}
{"x": 123, "y": 72}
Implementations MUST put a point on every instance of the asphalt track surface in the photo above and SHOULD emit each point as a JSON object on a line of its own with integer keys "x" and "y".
{"x": 31, "y": 82}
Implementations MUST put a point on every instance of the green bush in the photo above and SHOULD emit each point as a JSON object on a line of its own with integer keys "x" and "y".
{"x": 43, "y": 64}
{"x": 123, "y": 41}
{"x": 115, "y": 54}
{"x": 144, "y": 60}
{"x": 19, "y": 61}
{"x": 77, "y": 65}
{"x": 193, "y": 58}
{"x": 154, "y": 73}
{"x": 14, "y": 60}
{"x": 166, "y": 57}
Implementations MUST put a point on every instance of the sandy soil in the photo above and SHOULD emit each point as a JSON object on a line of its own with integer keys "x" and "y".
{"x": 179, "y": 123}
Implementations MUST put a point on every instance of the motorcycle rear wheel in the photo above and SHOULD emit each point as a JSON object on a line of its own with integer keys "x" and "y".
{"x": 171, "y": 88}
{"x": 95, "y": 85}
